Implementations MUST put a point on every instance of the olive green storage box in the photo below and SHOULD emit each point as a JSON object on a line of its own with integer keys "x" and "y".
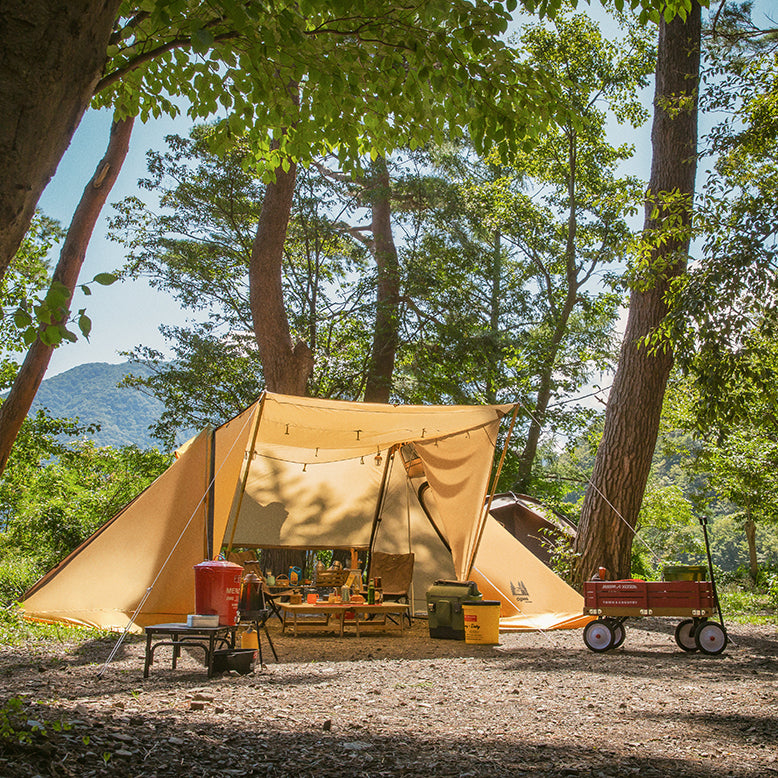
{"x": 685, "y": 573}
{"x": 444, "y": 607}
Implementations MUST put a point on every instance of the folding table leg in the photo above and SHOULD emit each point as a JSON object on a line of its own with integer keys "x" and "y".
{"x": 149, "y": 655}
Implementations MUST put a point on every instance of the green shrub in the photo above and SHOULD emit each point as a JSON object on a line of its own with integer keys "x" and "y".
{"x": 17, "y": 575}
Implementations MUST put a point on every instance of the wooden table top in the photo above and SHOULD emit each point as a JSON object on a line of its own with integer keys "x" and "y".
{"x": 323, "y": 607}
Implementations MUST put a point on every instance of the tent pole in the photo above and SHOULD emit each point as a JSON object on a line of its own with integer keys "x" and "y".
{"x": 208, "y": 528}
{"x": 491, "y": 491}
{"x": 250, "y": 452}
{"x": 380, "y": 502}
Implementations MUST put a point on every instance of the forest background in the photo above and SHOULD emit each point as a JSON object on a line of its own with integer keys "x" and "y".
{"x": 488, "y": 277}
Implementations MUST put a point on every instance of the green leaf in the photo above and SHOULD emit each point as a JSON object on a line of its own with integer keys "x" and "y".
{"x": 85, "y": 325}
{"x": 51, "y": 335}
{"x": 22, "y": 318}
{"x": 106, "y": 279}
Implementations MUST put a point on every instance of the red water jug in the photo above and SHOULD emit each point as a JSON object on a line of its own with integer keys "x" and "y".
{"x": 217, "y": 589}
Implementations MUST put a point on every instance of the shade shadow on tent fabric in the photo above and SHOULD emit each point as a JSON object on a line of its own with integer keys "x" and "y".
{"x": 317, "y": 474}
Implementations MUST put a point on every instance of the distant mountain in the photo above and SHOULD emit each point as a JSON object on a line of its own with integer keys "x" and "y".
{"x": 91, "y": 393}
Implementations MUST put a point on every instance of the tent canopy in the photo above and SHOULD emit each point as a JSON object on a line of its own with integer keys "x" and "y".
{"x": 291, "y": 472}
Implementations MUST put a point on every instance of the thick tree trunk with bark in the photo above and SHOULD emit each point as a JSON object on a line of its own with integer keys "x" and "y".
{"x": 52, "y": 54}
{"x": 378, "y": 386}
{"x": 287, "y": 367}
{"x": 17, "y": 405}
{"x": 623, "y": 459}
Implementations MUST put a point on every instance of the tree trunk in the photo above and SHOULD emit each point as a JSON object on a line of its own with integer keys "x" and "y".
{"x": 378, "y": 386}
{"x": 52, "y": 53}
{"x": 753, "y": 562}
{"x": 623, "y": 459}
{"x": 17, "y": 405}
{"x": 544, "y": 392}
{"x": 286, "y": 367}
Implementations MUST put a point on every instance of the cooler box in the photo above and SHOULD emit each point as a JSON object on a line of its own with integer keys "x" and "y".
{"x": 444, "y": 607}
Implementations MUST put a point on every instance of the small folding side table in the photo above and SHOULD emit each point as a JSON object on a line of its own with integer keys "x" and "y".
{"x": 181, "y": 635}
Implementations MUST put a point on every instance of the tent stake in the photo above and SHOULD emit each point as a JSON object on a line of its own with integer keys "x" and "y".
{"x": 261, "y": 405}
{"x": 491, "y": 492}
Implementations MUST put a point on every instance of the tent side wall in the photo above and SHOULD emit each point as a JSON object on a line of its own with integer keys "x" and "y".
{"x": 292, "y": 505}
{"x": 532, "y": 595}
{"x": 104, "y": 580}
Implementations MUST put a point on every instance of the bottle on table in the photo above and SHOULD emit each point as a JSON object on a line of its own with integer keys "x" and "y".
{"x": 371, "y": 592}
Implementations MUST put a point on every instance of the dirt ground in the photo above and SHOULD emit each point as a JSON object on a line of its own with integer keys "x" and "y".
{"x": 537, "y": 704}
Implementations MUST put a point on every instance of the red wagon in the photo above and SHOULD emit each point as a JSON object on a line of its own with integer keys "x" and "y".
{"x": 613, "y": 602}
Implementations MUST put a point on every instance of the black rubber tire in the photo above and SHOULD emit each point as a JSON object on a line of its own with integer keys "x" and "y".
{"x": 684, "y": 635}
{"x": 598, "y": 636}
{"x": 619, "y": 634}
{"x": 711, "y": 637}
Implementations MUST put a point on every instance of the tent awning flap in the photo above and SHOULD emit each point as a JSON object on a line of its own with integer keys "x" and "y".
{"x": 304, "y": 429}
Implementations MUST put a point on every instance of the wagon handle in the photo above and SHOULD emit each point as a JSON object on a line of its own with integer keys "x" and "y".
{"x": 704, "y": 524}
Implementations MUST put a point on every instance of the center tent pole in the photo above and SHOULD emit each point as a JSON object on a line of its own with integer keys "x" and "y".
{"x": 490, "y": 492}
{"x": 381, "y": 497}
{"x": 249, "y": 457}
{"x": 211, "y": 496}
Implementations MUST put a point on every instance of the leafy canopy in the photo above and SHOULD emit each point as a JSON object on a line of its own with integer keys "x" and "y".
{"x": 347, "y": 76}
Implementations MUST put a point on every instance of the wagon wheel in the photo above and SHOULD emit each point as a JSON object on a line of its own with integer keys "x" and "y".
{"x": 711, "y": 637}
{"x": 619, "y": 634}
{"x": 684, "y": 635}
{"x": 617, "y": 627}
{"x": 598, "y": 635}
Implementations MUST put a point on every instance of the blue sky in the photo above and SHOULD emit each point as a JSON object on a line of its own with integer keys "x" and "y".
{"x": 125, "y": 314}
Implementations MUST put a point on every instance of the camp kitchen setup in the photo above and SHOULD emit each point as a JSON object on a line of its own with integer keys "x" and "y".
{"x": 409, "y": 486}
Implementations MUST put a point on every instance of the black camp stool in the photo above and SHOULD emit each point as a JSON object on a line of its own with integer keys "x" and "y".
{"x": 182, "y": 635}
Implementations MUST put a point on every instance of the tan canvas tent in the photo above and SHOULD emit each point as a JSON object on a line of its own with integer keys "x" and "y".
{"x": 309, "y": 473}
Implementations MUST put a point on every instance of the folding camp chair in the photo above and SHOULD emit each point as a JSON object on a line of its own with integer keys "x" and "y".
{"x": 396, "y": 574}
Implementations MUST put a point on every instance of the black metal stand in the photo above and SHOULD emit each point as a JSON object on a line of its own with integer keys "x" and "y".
{"x": 259, "y": 620}
{"x": 183, "y": 636}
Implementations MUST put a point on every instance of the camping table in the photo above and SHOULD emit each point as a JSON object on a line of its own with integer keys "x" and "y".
{"x": 339, "y": 611}
{"x": 182, "y": 635}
